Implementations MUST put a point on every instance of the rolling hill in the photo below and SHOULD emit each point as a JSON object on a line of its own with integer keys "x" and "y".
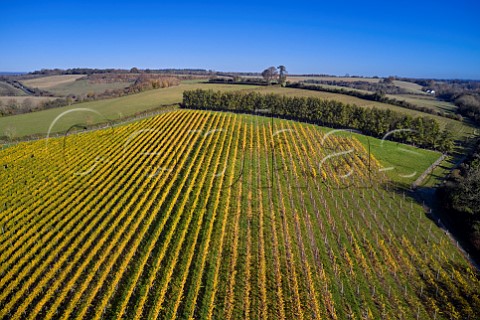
{"x": 196, "y": 214}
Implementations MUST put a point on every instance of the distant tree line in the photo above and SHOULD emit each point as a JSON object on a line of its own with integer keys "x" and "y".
{"x": 323, "y": 75}
{"x": 378, "y": 97}
{"x": 171, "y": 71}
{"x": 425, "y": 132}
{"x": 85, "y": 71}
{"x": 460, "y": 195}
{"x": 110, "y": 77}
{"x": 199, "y": 72}
{"x": 89, "y": 71}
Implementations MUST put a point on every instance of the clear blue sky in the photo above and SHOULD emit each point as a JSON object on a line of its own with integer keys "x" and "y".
{"x": 438, "y": 39}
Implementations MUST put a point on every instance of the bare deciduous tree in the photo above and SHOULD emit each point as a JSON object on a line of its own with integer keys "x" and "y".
{"x": 283, "y": 74}
{"x": 270, "y": 74}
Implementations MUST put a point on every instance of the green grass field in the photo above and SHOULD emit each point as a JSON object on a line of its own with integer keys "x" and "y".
{"x": 409, "y": 86}
{"x": 214, "y": 215}
{"x": 346, "y": 79}
{"x": 83, "y": 87}
{"x": 426, "y": 101}
{"x": 401, "y": 163}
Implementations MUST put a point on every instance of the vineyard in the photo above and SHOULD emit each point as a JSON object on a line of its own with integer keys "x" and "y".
{"x": 211, "y": 215}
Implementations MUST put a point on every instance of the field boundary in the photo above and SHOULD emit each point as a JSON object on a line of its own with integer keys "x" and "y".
{"x": 429, "y": 170}
{"x": 99, "y": 126}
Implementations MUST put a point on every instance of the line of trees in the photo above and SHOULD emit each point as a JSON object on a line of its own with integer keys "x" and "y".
{"x": 378, "y": 97}
{"x": 424, "y": 131}
{"x": 460, "y": 195}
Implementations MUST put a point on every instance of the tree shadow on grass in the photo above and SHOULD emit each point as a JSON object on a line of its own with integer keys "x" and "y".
{"x": 428, "y": 197}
